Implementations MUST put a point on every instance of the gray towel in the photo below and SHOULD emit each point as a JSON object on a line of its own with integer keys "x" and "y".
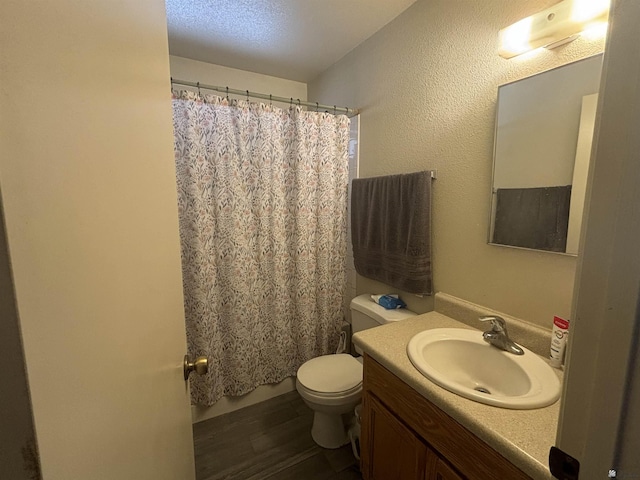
{"x": 391, "y": 230}
{"x": 533, "y": 217}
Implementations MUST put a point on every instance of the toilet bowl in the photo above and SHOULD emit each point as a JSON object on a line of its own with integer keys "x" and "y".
{"x": 331, "y": 385}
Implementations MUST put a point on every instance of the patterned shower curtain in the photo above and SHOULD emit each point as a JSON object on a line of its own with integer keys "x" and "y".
{"x": 262, "y": 195}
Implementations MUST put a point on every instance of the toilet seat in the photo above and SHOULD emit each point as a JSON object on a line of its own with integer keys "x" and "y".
{"x": 345, "y": 393}
{"x": 334, "y": 375}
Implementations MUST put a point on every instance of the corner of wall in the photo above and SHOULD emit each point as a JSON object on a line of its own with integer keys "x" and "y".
{"x": 18, "y": 446}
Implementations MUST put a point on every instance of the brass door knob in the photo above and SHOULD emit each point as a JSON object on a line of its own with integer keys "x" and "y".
{"x": 200, "y": 366}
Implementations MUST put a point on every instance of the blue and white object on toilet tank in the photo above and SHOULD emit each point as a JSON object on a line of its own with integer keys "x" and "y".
{"x": 390, "y": 301}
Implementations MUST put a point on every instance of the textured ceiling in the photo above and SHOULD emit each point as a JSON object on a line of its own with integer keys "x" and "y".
{"x": 293, "y": 39}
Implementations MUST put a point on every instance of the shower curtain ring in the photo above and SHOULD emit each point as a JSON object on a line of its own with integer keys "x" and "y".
{"x": 317, "y": 107}
{"x": 247, "y": 96}
{"x": 227, "y": 94}
{"x": 199, "y": 92}
{"x": 334, "y": 110}
{"x": 298, "y": 103}
{"x": 270, "y": 103}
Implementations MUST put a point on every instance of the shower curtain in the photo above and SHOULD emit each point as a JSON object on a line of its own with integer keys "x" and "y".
{"x": 262, "y": 195}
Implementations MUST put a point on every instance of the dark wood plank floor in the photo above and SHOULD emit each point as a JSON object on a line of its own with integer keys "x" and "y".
{"x": 268, "y": 441}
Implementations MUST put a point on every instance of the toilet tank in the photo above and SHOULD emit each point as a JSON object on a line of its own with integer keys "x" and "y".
{"x": 365, "y": 314}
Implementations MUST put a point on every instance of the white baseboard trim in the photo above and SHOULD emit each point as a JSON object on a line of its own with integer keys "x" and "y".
{"x": 200, "y": 413}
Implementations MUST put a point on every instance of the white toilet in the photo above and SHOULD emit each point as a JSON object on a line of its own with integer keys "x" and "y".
{"x": 331, "y": 385}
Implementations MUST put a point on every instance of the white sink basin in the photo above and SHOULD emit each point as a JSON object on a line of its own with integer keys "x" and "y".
{"x": 462, "y": 362}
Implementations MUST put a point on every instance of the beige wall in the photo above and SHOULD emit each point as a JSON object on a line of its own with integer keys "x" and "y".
{"x": 426, "y": 85}
{"x": 210, "y": 74}
{"x": 18, "y": 450}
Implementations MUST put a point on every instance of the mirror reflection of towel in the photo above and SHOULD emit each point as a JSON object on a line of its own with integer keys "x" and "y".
{"x": 391, "y": 230}
{"x": 533, "y": 217}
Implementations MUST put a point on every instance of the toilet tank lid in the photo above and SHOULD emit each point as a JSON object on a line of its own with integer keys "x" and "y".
{"x": 364, "y": 304}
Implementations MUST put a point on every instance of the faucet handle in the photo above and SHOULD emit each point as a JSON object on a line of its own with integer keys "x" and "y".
{"x": 498, "y": 324}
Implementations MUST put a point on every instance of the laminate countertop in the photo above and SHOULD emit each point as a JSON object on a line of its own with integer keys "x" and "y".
{"x": 524, "y": 437}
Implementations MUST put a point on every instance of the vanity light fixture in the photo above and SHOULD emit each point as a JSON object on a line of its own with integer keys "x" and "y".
{"x": 553, "y": 27}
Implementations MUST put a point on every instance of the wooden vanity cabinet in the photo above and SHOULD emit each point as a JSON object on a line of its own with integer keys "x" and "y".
{"x": 440, "y": 470}
{"x": 406, "y": 437}
{"x": 406, "y": 456}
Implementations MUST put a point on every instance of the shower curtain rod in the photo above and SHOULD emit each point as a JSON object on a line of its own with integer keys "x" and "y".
{"x": 350, "y": 112}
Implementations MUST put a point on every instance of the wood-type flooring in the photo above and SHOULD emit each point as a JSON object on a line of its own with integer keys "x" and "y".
{"x": 268, "y": 441}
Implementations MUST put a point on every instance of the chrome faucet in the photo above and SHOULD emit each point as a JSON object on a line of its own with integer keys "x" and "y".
{"x": 498, "y": 337}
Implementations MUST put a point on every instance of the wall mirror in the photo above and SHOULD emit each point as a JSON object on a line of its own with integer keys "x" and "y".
{"x": 544, "y": 129}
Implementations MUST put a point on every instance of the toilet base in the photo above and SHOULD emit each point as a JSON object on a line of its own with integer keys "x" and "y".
{"x": 328, "y": 430}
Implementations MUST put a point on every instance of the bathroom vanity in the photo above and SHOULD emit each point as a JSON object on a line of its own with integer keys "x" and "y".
{"x": 405, "y": 436}
{"x": 414, "y": 429}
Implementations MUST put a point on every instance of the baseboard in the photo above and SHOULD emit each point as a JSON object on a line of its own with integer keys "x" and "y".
{"x": 200, "y": 413}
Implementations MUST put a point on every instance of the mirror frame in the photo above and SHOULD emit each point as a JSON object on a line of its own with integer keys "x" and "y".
{"x": 492, "y": 202}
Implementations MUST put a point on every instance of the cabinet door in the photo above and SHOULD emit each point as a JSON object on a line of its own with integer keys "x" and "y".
{"x": 393, "y": 451}
{"x": 445, "y": 472}
{"x": 439, "y": 469}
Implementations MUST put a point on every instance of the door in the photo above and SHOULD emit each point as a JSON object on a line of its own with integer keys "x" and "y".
{"x": 599, "y": 423}
{"x": 581, "y": 170}
{"x": 88, "y": 191}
